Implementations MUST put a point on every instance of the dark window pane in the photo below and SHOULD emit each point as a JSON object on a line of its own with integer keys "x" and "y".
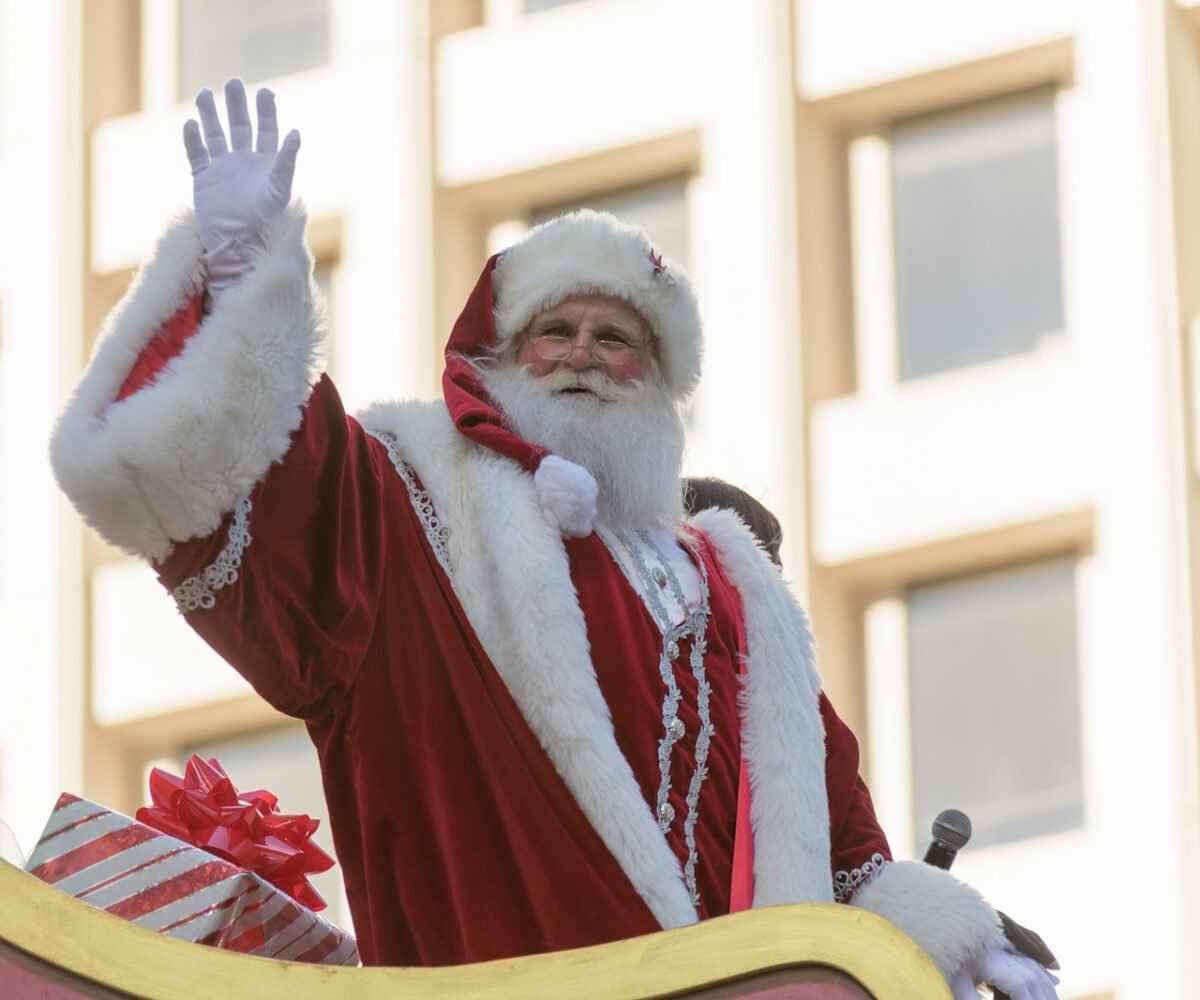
{"x": 219, "y": 39}
{"x": 994, "y": 693}
{"x": 978, "y": 274}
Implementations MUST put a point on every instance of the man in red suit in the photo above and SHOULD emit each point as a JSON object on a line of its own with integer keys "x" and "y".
{"x": 549, "y": 711}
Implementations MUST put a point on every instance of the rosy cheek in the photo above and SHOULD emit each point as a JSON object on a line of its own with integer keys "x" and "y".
{"x": 628, "y": 370}
{"x": 538, "y": 366}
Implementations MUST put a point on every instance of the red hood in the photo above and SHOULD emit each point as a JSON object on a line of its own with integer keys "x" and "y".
{"x": 471, "y": 408}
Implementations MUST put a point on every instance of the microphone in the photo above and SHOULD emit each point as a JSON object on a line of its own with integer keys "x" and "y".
{"x": 951, "y": 831}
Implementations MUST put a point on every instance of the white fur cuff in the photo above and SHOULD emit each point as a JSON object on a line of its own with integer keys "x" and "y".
{"x": 946, "y": 917}
{"x": 567, "y": 495}
{"x": 167, "y": 463}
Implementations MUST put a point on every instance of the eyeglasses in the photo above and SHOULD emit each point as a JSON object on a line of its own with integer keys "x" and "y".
{"x": 608, "y": 348}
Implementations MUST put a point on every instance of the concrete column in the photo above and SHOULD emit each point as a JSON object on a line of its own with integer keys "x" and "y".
{"x": 748, "y": 422}
{"x": 1137, "y": 661}
{"x": 41, "y": 278}
{"x": 386, "y": 311}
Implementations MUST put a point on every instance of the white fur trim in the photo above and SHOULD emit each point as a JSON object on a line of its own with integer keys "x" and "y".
{"x": 567, "y": 495}
{"x": 510, "y": 572}
{"x": 783, "y": 737}
{"x": 166, "y": 464}
{"x": 589, "y": 252}
{"x": 950, "y": 920}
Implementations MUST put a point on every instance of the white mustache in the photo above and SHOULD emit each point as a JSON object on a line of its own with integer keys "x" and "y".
{"x": 595, "y": 382}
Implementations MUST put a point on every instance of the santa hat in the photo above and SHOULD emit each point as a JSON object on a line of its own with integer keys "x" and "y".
{"x": 583, "y": 253}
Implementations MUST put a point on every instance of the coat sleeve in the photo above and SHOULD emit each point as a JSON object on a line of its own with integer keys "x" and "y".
{"x": 288, "y": 588}
{"x": 950, "y": 920}
{"x": 207, "y": 445}
{"x": 858, "y": 847}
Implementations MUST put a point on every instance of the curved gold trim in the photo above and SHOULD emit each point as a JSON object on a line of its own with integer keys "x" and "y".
{"x": 95, "y": 945}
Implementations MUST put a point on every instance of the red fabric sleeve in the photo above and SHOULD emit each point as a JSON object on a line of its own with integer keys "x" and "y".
{"x": 855, "y": 833}
{"x": 167, "y": 343}
{"x": 299, "y": 618}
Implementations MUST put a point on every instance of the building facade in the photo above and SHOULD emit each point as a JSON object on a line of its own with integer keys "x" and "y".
{"x": 948, "y": 255}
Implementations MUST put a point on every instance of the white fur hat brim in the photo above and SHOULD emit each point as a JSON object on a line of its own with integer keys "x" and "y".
{"x": 593, "y": 253}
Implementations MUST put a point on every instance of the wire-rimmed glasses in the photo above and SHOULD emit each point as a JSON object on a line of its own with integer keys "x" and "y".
{"x": 606, "y": 348}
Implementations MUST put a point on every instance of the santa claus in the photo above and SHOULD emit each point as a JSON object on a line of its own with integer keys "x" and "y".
{"x": 549, "y": 711}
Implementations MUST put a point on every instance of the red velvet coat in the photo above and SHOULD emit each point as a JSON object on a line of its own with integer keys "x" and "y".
{"x": 458, "y": 841}
{"x": 476, "y": 689}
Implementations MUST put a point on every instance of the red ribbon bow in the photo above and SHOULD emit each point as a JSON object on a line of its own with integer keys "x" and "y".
{"x": 205, "y": 809}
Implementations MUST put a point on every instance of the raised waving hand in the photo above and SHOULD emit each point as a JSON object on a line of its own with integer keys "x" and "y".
{"x": 237, "y": 191}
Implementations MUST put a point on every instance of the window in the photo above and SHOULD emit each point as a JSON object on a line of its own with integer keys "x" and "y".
{"x": 659, "y": 208}
{"x": 976, "y": 222}
{"x": 994, "y": 694}
{"x": 284, "y": 762}
{"x": 219, "y": 39}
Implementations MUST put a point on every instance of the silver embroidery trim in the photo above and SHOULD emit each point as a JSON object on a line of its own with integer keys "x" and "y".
{"x": 663, "y": 812}
{"x": 436, "y": 531}
{"x": 200, "y": 591}
{"x": 695, "y": 624}
{"x": 699, "y": 648}
{"x": 847, "y": 883}
{"x": 698, "y": 622}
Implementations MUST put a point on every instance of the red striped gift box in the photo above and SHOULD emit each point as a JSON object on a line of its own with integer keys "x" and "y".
{"x": 118, "y": 865}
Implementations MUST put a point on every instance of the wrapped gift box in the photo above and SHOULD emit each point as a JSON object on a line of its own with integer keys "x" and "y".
{"x": 156, "y": 881}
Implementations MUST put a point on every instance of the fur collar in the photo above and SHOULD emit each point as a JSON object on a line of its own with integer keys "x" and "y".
{"x": 783, "y": 738}
{"x": 510, "y": 572}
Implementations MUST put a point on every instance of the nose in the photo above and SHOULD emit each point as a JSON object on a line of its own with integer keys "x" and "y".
{"x": 580, "y": 359}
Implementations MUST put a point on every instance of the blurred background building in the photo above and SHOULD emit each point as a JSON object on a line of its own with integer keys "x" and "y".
{"x": 949, "y": 258}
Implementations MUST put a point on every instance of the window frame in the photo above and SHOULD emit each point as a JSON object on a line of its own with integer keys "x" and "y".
{"x": 888, "y": 691}
{"x": 160, "y": 63}
{"x": 873, "y": 252}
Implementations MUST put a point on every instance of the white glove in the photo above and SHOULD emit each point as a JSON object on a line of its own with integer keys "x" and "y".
{"x": 237, "y": 193}
{"x": 1017, "y": 975}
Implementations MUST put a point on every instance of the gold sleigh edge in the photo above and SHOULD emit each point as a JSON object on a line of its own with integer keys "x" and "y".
{"x": 91, "y": 944}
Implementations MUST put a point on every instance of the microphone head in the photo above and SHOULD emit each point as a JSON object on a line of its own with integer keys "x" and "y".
{"x": 952, "y": 828}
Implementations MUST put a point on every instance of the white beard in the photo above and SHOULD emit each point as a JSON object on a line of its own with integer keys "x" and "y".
{"x": 628, "y": 436}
